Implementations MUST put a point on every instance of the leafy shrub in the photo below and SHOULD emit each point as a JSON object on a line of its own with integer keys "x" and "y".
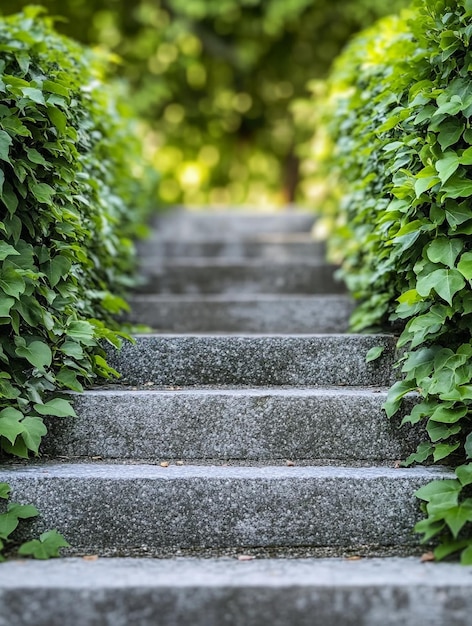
{"x": 400, "y": 101}
{"x": 68, "y": 180}
{"x": 215, "y": 79}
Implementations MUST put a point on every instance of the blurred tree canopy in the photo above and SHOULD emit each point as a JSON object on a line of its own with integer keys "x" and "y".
{"x": 216, "y": 79}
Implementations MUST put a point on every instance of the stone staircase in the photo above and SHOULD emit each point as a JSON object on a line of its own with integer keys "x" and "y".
{"x": 244, "y": 454}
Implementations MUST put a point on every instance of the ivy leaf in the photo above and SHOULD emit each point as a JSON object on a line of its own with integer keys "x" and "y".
{"x": 47, "y": 546}
{"x": 446, "y": 283}
{"x": 443, "y": 450}
{"x": 5, "y": 143}
{"x": 449, "y": 132}
{"x": 34, "y": 430}
{"x": 374, "y": 353}
{"x": 465, "y": 265}
{"x": 438, "y": 487}
{"x": 466, "y": 556}
{"x": 56, "y": 407}
{"x": 449, "y": 415}
{"x": 10, "y": 423}
{"x": 445, "y": 250}
{"x": 5, "y": 491}
{"x": 464, "y": 474}
{"x": 37, "y": 353}
{"x": 42, "y": 192}
{"x": 7, "y": 250}
{"x": 447, "y": 166}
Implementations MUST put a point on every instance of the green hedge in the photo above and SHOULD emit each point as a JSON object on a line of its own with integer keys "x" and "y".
{"x": 215, "y": 79}
{"x": 71, "y": 180}
{"x": 400, "y": 105}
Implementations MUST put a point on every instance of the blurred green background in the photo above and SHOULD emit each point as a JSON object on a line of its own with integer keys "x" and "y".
{"x": 216, "y": 79}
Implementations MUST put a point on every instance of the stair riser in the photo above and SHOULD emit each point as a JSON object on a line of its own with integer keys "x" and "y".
{"x": 157, "y": 248}
{"x": 175, "y": 360}
{"x": 133, "y": 509}
{"x": 231, "y": 425}
{"x": 303, "y": 278}
{"x": 267, "y": 604}
{"x": 230, "y": 225}
{"x": 173, "y": 314}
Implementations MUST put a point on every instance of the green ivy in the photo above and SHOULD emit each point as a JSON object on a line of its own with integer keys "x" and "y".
{"x": 72, "y": 180}
{"x": 400, "y": 105}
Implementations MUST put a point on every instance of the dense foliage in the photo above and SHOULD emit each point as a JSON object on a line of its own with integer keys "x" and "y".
{"x": 216, "y": 77}
{"x": 400, "y": 101}
{"x": 68, "y": 180}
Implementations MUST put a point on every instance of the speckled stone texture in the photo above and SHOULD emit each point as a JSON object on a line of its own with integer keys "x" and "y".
{"x": 103, "y": 507}
{"x": 255, "y": 360}
{"x": 256, "y": 313}
{"x": 206, "y": 276}
{"x": 191, "y": 592}
{"x": 254, "y": 424}
{"x": 263, "y": 247}
{"x": 231, "y": 224}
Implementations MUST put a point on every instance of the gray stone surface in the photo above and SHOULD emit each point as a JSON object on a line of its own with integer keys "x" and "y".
{"x": 231, "y": 224}
{"x": 243, "y": 313}
{"x": 265, "y": 247}
{"x": 218, "y": 276}
{"x": 129, "y": 508}
{"x": 254, "y": 424}
{"x": 255, "y": 360}
{"x": 222, "y": 592}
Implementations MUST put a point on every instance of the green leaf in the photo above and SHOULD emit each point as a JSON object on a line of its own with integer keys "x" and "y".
{"x": 10, "y": 424}
{"x": 438, "y": 431}
{"x": 56, "y": 407}
{"x": 5, "y": 143}
{"x": 395, "y": 395}
{"x": 47, "y": 546}
{"x": 36, "y": 95}
{"x": 445, "y": 250}
{"x": 464, "y": 474}
{"x": 11, "y": 282}
{"x": 466, "y": 556}
{"x": 438, "y": 487}
{"x": 82, "y": 332}
{"x": 449, "y": 132}
{"x": 5, "y": 491}
{"x": 34, "y": 431}
{"x": 443, "y": 450}
{"x": 446, "y": 283}
{"x": 37, "y": 353}
{"x": 42, "y": 192}
{"x": 448, "y": 415}
{"x": 7, "y": 250}
{"x": 447, "y": 166}
{"x": 465, "y": 265}
{"x": 457, "y": 517}
{"x": 374, "y": 353}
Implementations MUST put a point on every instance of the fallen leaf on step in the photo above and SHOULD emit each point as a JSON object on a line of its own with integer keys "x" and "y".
{"x": 164, "y": 464}
{"x": 97, "y": 458}
{"x": 90, "y": 557}
{"x": 289, "y": 463}
{"x": 427, "y": 556}
{"x": 353, "y": 558}
{"x": 246, "y": 557}
{"x": 397, "y": 465}
{"x": 179, "y": 463}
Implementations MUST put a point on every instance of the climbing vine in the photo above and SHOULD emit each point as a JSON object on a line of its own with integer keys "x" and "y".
{"x": 400, "y": 105}
{"x": 70, "y": 169}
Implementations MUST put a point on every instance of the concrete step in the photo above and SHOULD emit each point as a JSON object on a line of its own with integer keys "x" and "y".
{"x": 243, "y": 313}
{"x": 233, "y": 276}
{"x": 129, "y": 509}
{"x": 255, "y": 360}
{"x": 230, "y": 224}
{"x": 218, "y": 592}
{"x": 342, "y": 424}
{"x": 272, "y": 247}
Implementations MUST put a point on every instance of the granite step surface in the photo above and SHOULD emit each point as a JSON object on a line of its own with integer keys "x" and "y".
{"x": 131, "y": 509}
{"x": 266, "y": 313}
{"x": 230, "y": 224}
{"x": 234, "y": 276}
{"x": 255, "y": 360}
{"x": 340, "y": 424}
{"x": 275, "y": 247}
{"x": 228, "y": 592}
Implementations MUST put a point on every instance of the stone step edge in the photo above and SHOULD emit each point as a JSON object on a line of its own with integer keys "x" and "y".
{"x": 210, "y": 592}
